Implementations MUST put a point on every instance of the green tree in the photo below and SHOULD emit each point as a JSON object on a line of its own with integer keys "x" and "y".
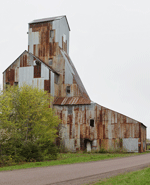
{"x": 26, "y": 116}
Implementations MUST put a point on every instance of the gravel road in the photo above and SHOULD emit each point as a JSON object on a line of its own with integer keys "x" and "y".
{"x": 74, "y": 174}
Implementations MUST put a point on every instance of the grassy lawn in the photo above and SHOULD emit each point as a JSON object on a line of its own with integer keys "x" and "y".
{"x": 148, "y": 148}
{"x": 141, "y": 177}
{"x": 70, "y": 158}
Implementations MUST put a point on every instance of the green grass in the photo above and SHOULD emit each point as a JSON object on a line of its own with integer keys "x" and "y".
{"x": 148, "y": 147}
{"x": 141, "y": 177}
{"x": 69, "y": 158}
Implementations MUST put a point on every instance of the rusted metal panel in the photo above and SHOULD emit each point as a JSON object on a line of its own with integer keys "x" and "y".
{"x": 44, "y": 71}
{"x": 47, "y": 85}
{"x": 10, "y": 76}
{"x": 37, "y": 71}
{"x": 23, "y": 61}
{"x": 52, "y": 84}
{"x": 17, "y": 74}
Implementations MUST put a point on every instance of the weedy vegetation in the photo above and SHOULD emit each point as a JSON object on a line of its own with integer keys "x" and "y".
{"x": 141, "y": 177}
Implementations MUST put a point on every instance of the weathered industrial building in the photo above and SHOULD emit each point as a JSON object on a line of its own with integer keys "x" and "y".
{"x": 85, "y": 124}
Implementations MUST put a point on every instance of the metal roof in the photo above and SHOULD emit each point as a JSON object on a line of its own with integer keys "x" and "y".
{"x": 71, "y": 101}
{"x": 49, "y": 19}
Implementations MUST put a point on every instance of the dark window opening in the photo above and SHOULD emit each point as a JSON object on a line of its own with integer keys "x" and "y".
{"x": 68, "y": 89}
{"x": 15, "y": 83}
{"x": 85, "y": 143}
{"x": 38, "y": 63}
{"x": 37, "y": 70}
{"x": 47, "y": 85}
{"x": 91, "y": 122}
{"x": 70, "y": 110}
{"x": 56, "y": 77}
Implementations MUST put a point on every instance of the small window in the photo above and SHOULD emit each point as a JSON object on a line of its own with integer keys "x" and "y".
{"x": 91, "y": 122}
{"x": 15, "y": 83}
{"x": 56, "y": 78}
{"x": 68, "y": 89}
{"x": 50, "y": 62}
{"x": 37, "y": 70}
{"x": 70, "y": 110}
{"x": 51, "y": 33}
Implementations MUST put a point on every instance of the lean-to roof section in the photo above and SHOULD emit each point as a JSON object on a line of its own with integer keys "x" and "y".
{"x": 71, "y": 101}
{"x": 75, "y": 75}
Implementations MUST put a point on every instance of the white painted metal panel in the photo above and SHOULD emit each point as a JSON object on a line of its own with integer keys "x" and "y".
{"x": 61, "y": 28}
{"x": 88, "y": 146}
{"x": 56, "y": 27}
{"x": 130, "y": 144}
{"x": 25, "y": 75}
{"x": 52, "y": 84}
{"x": 44, "y": 72}
{"x": 68, "y": 74}
{"x": 38, "y": 82}
{"x": 33, "y": 38}
{"x": 68, "y": 71}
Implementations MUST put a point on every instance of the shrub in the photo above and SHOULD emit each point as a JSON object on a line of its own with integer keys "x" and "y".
{"x": 31, "y": 152}
{"x": 102, "y": 150}
{"x": 49, "y": 150}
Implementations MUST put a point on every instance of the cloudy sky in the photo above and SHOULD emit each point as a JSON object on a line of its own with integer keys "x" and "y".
{"x": 109, "y": 45}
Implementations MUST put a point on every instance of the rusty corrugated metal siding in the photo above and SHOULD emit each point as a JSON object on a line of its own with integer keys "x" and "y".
{"x": 109, "y": 129}
{"x": 47, "y": 65}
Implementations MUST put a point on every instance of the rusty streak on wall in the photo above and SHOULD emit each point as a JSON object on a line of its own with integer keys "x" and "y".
{"x": 110, "y": 126}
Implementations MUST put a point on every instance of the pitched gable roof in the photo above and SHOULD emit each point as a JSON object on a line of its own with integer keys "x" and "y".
{"x": 50, "y": 19}
{"x": 34, "y": 58}
{"x": 43, "y": 63}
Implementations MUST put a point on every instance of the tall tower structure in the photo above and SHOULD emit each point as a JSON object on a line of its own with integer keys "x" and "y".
{"x": 45, "y": 36}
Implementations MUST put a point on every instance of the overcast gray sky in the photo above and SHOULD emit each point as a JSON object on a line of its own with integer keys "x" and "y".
{"x": 109, "y": 45}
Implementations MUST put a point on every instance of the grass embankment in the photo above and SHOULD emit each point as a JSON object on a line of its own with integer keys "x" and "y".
{"x": 69, "y": 158}
{"x": 141, "y": 177}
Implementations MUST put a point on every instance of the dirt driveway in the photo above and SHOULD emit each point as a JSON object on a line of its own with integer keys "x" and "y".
{"x": 74, "y": 173}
